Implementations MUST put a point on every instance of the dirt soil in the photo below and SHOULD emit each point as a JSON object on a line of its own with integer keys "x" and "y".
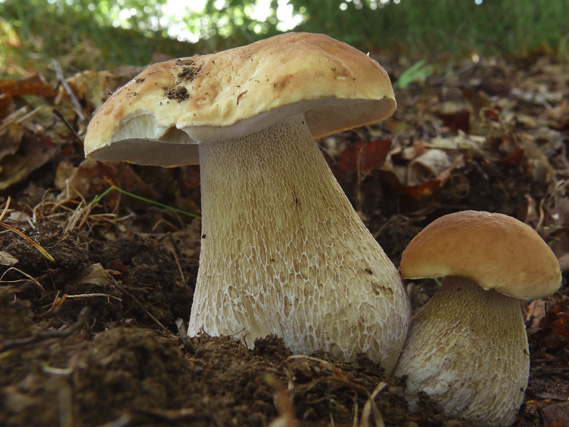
{"x": 95, "y": 292}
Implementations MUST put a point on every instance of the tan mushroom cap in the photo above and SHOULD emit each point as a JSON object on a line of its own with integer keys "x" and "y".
{"x": 494, "y": 250}
{"x": 187, "y": 101}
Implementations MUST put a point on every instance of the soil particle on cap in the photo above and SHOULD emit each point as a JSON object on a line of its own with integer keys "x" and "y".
{"x": 179, "y": 93}
{"x": 190, "y": 69}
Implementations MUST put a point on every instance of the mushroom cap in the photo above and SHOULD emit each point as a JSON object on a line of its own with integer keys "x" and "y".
{"x": 236, "y": 92}
{"x": 494, "y": 250}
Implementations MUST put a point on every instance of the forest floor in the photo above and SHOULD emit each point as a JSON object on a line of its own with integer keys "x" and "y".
{"x": 91, "y": 329}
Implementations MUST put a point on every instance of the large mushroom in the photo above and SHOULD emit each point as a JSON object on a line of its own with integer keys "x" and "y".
{"x": 467, "y": 347}
{"x": 283, "y": 251}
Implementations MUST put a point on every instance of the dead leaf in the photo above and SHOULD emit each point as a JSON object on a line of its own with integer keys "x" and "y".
{"x": 461, "y": 141}
{"x": 423, "y": 190}
{"x": 7, "y": 105}
{"x": 91, "y": 178}
{"x": 364, "y": 157}
{"x": 7, "y": 259}
{"x": 11, "y": 137}
{"x": 95, "y": 275}
{"x": 91, "y": 87}
{"x": 561, "y": 326}
{"x": 559, "y": 116}
{"x": 34, "y": 151}
{"x": 34, "y": 85}
{"x": 535, "y": 313}
{"x": 455, "y": 115}
{"x": 191, "y": 176}
{"x": 556, "y": 415}
{"x": 427, "y": 167}
{"x": 477, "y": 100}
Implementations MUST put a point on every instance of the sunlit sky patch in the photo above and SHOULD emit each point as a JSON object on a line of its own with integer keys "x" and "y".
{"x": 175, "y": 11}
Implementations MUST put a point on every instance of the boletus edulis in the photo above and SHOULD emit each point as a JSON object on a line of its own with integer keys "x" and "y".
{"x": 282, "y": 252}
{"x": 468, "y": 347}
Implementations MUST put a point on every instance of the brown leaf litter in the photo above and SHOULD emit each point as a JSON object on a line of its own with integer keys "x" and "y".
{"x": 96, "y": 338}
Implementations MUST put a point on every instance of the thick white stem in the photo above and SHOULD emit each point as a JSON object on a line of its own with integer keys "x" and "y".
{"x": 468, "y": 349}
{"x": 283, "y": 252}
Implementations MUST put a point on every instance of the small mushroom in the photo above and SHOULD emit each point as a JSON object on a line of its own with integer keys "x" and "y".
{"x": 467, "y": 347}
{"x": 283, "y": 252}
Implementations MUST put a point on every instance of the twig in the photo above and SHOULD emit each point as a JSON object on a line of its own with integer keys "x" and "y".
{"x": 19, "y": 233}
{"x": 5, "y": 208}
{"x": 183, "y": 331}
{"x": 61, "y": 79}
{"x": 171, "y": 244}
{"x": 61, "y": 117}
{"x": 19, "y": 116}
{"x": 30, "y": 241}
{"x": 303, "y": 388}
{"x": 31, "y": 279}
{"x": 58, "y": 301}
{"x": 370, "y": 406}
{"x": 170, "y": 415}
{"x": 329, "y": 365}
{"x": 96, "y": 294}
{"x": 282, "y": 402}
{"x": 124, "y": 420}
{"x": 46, "y": 335}
{"x": 158, "y": 322}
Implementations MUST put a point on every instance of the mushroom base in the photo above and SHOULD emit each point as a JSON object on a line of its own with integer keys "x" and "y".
{"x": 283, "y": 252}
{"x": 468, "y": 350}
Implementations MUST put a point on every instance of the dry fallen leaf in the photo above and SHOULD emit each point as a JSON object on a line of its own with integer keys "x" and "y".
{"x": 363, "y": 157}
{"x": 7, "y": 259}
{"x": 33, "y": 85}
{"x": 561, "y": 326}
{"x": 34, "y": 151}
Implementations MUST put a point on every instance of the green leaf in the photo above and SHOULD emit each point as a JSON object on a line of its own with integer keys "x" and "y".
{"x": 419, "y": 71}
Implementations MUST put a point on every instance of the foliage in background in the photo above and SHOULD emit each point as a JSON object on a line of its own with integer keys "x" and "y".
{"x": 417, "y": 72}
{"x": 230, "y": 23}
{"x": 81, "y": 33}
{"x": 101, "y": 34}
{"x": 438, "y": 26}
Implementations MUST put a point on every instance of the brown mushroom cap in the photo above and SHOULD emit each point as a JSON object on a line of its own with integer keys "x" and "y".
{"x": 159, "y": 117}
{"x": 494, "y": 250}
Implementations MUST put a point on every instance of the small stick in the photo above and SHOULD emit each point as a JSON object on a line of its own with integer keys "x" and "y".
{"x": 61, "y": 79}
{"x": 61, "y": 117}
{"x": 19, "y": 233}
{"x": 371, "y": 407}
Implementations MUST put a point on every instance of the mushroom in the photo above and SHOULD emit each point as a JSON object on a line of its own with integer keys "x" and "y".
{"x": 282, "y": 251}
{"x": 467, "y": 347}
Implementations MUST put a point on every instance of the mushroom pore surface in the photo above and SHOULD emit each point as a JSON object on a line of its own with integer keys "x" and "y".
{"x": 283, "y": 252}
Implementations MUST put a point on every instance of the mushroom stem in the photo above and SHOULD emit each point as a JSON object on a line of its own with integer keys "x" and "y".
{"x": 468, "y": 350}
{"x": 283, "y": 252}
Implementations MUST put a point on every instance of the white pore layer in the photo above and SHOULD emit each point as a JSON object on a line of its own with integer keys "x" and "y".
{"x": 283, "y": 252}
